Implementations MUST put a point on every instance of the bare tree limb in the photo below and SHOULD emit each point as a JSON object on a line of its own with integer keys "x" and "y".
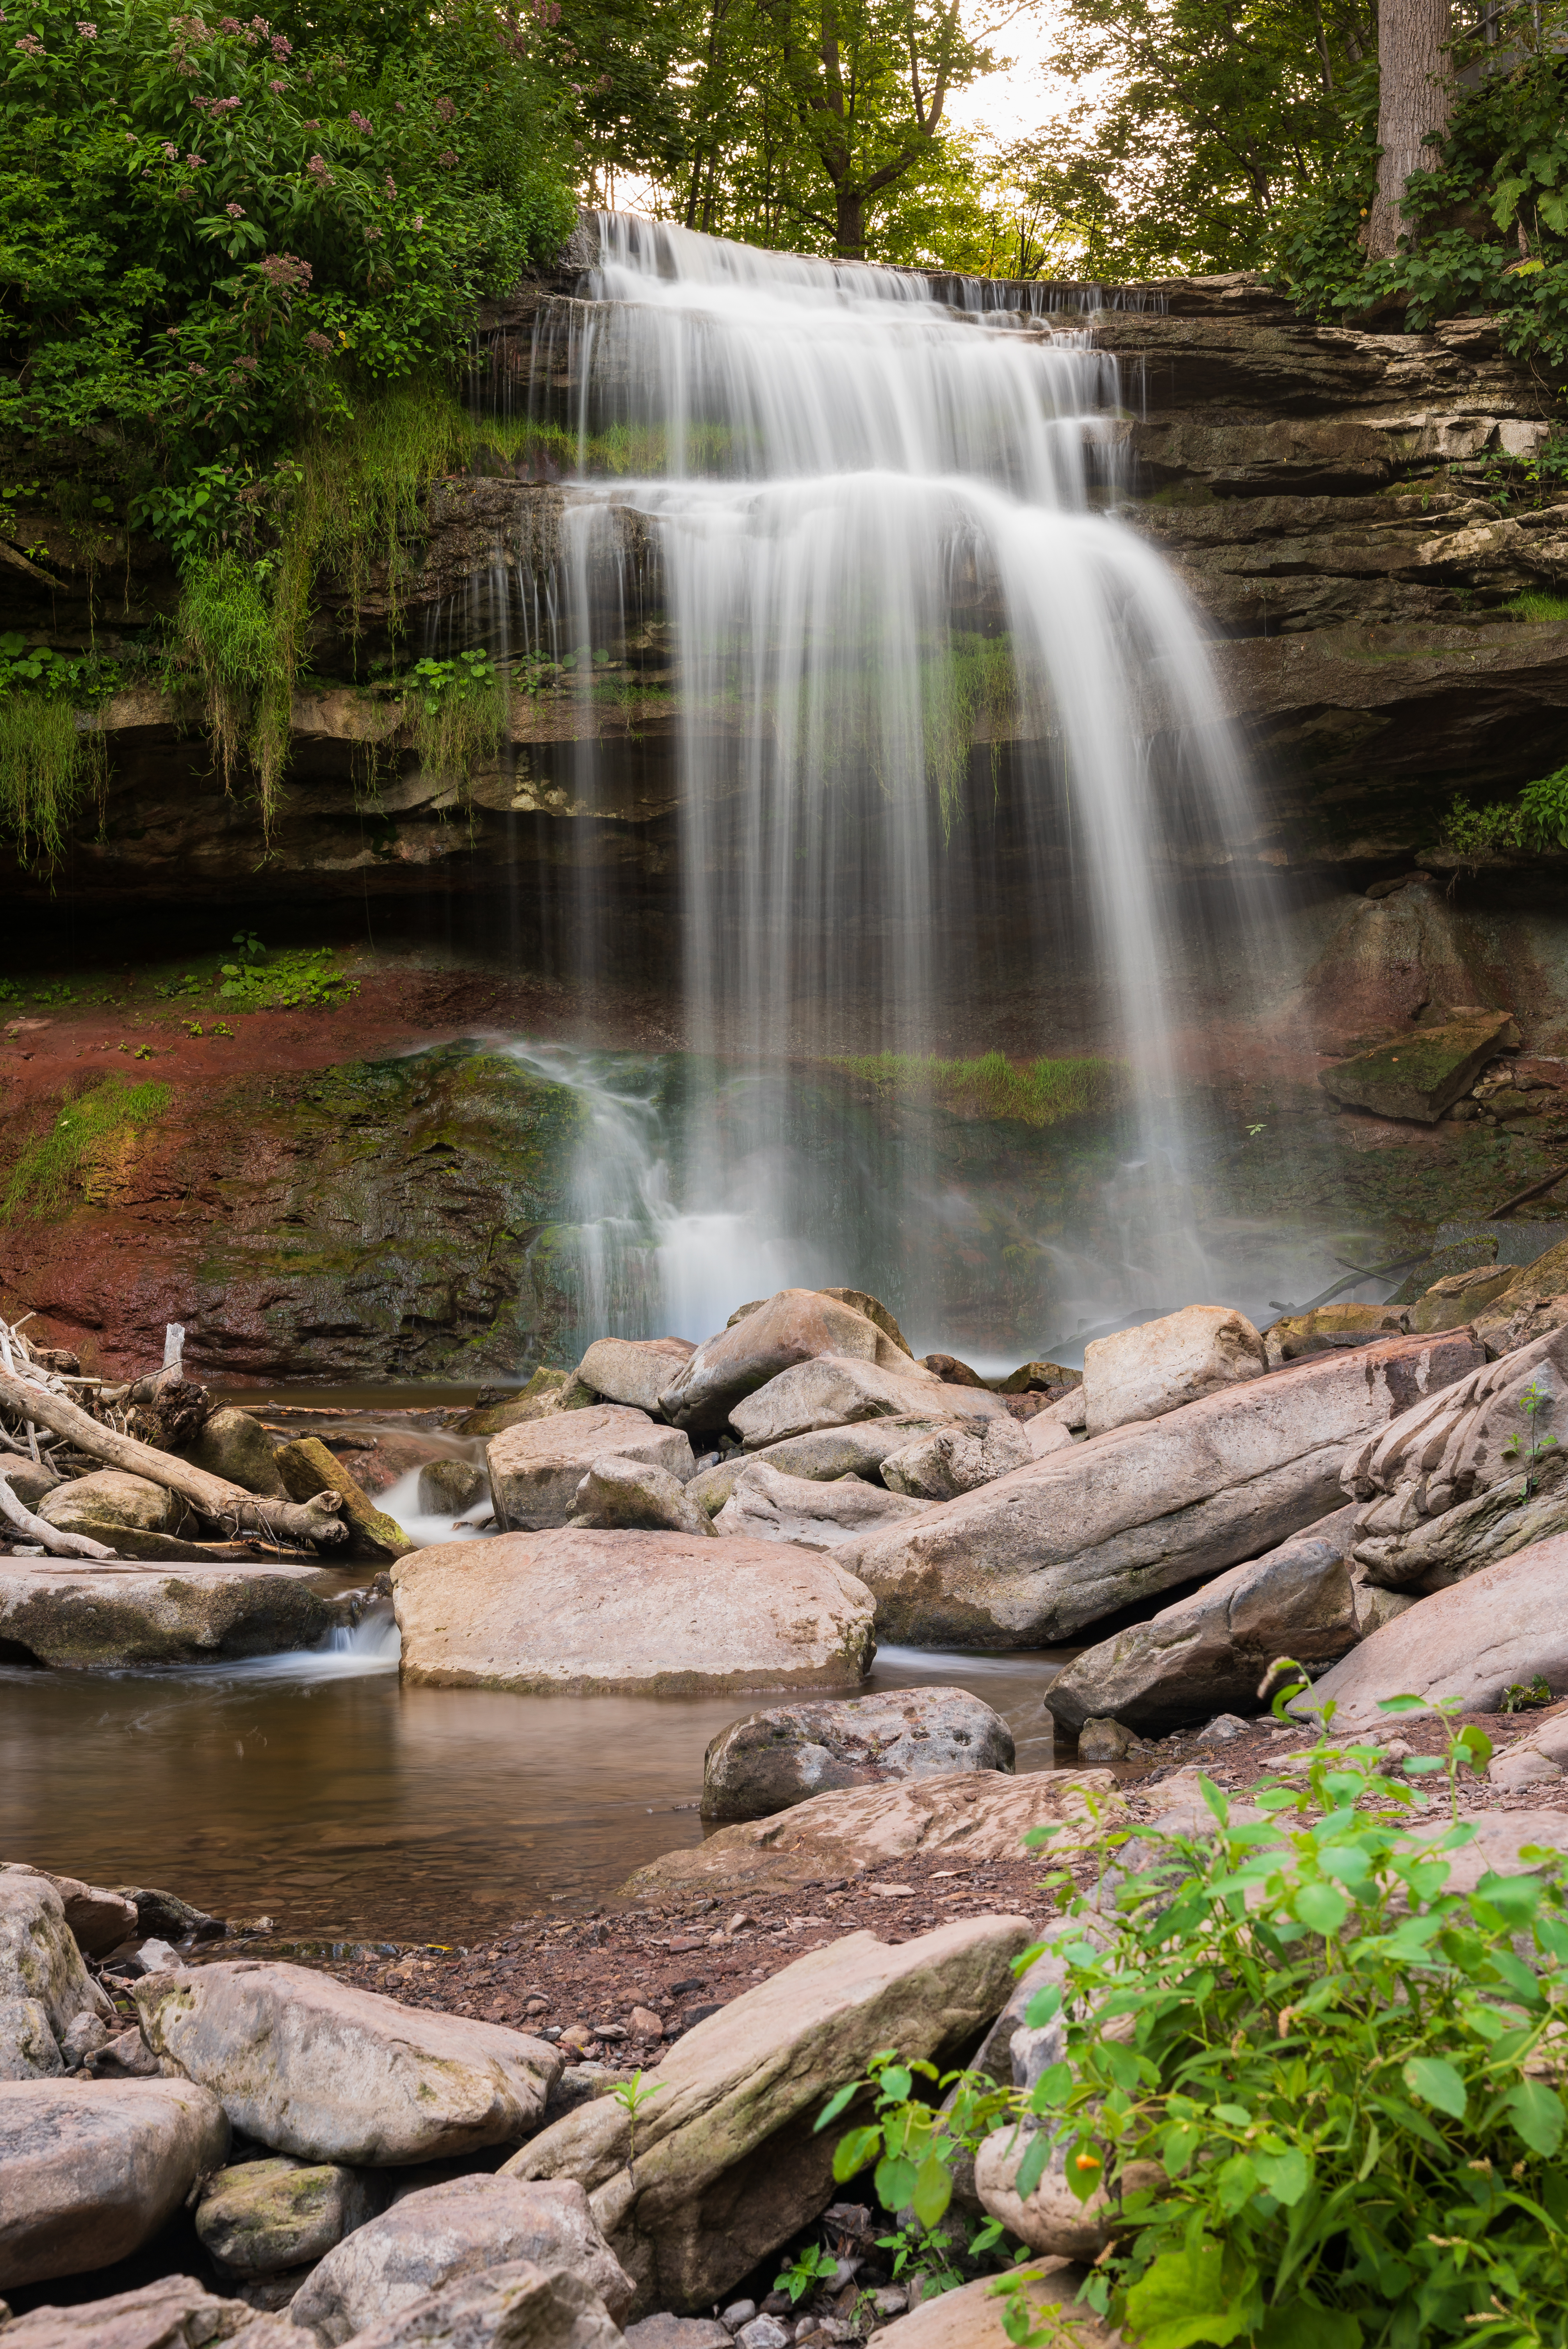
{"x": 226, "y": 1505}
{"x": 39, "y": 1529}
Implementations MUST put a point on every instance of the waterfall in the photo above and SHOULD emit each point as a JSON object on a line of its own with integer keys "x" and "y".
{"x": 945, "y": 737}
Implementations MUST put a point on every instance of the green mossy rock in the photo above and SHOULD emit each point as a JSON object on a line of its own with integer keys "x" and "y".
{"x": 1421, "y": 1074}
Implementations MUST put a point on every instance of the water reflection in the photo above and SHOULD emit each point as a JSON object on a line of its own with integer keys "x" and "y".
{"x": 320, "y": 1791}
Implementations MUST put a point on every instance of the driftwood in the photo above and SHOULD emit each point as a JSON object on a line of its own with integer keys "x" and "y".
{"x": 39, "y": 1529}
{"x": 316, "y": 1521}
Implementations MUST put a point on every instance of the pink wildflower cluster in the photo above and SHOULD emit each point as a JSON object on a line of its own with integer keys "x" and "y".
{"x": 315, "y": 342}
{"x": 361, "y": 122}
{"x": 319, "y": 171}
{"x": 447, "y": 161}
{"x": 445, "y": 109}
{"x": 30, "y": 45}
{"x": 236, "y": 211}
{"x": 87, "y": 32}
{"x": 282, "y": 47}
{"x": 286, "y": 273}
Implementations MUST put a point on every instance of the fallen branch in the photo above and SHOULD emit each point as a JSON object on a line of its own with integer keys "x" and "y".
{"x": 316, "y": 1520}
{"x": 39, "y": 1529}
{"x": 1532, "y": 1191}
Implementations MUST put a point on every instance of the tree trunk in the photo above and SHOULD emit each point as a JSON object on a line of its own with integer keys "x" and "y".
{"x": 1415, "y": 99}
{"x": 850, "y": 241}
{"x": 316, "y": 1521}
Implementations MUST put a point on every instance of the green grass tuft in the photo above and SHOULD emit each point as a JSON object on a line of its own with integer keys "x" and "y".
{"x": 1538, "y": 603}
{"x": 1032, "y": 1093}
{"x": 46, "y": 762}
{"x": 45, "y": 1175}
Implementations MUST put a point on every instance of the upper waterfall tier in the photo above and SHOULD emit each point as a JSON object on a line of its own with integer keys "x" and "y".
{"x": 775, "y": 367}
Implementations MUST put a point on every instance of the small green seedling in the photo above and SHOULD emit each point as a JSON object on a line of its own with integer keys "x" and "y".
{"x": 1532, "y": 1402}
{"x": 814, "y": 2265}
{"x": 1520, "y": 1697}
{"x": 630, "y": 2095}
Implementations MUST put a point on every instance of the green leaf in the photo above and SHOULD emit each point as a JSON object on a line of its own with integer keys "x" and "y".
{"x": 1402, "y": 1704}
{"x": 1319, "y": 1906}
{"x": 852, "y": 2152}
{"x": 894, "y": 2181}
{"x": 1536, "y": 2112}
{"x": 1043, "y": 2008}
{"x": 1182, "y": 2299}
{"x": 1286, "y": 2176}
{"x": 1436, "y": 2083}
{"x": 1234, "y": 2183}
{"x": 895, "y": 2081}
{"x": 1303, "y": 2324}
{"x": 835, "y": 2105}
{"x": 933, "y": 2191}
{"x": 1515, "y": 1897}
{"x": 1032, "y": 2169}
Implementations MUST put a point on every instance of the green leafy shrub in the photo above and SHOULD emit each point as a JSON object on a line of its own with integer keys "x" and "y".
{"x": 282, "y": 981}
{"x": 45, "y": 1175}
{"x": 455, "y": 713}
{"x": 1319, "y": 2084}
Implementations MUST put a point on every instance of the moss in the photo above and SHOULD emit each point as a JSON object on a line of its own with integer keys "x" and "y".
{"x": 96, "y": 1127}
{"x": 48, "y": 760}
{"x": 1037, "y": 1092}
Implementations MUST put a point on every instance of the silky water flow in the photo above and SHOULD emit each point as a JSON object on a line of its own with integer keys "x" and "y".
{"x": 946, "y": 733}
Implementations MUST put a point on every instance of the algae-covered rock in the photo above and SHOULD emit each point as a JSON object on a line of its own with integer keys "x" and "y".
{"x": 111, "y": 1497}
{"x": 1422, "y": 1072}
{"x": 82, "y": 1616}
{"x": 1329, "y": 1328}
{"x": 263, "y": 2216}
{"x": 234, "y": 1445}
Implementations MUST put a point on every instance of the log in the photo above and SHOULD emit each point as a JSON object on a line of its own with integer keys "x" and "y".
{"x": 39, "y": 1529}
{"x": 316, "y": 1521}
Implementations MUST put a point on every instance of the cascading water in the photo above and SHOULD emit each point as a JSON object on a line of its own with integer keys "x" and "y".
{"x": 867, "y": 531}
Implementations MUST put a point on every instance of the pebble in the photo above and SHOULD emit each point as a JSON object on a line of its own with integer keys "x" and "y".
{"x": 646, "y": 2023}
{"x": 764, "y": 2332}
{"x": 739, "y": 2313}
{"x": 891, "y": 2300}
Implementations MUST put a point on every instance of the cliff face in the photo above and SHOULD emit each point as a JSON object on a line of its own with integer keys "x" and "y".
{"x": 1316, "y": 487}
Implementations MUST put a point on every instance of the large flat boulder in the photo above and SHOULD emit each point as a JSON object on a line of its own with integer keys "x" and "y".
{"x": 536, "y": 1467}
{"x": 92, "y": 2168}
{"x": 1506, "y": 1624}
{"x": 175, "y": 2312}
{"x": 768, "y": 1505}
{"x": 44, "y": 1985}
{"x": 1422, "y": 1072}
{"x": 633, "y": 1371}
{"x": 310, "y": 2066}
{"x": 728, "y": 2164}
{"x": 579, "y": 1613}
{"x": 794, "y": 1326}
{"x": 772, "y": 1760}
{"x": 1035, "y": 1556}
{"x": 518, "y": 2306}
{"x": 259, "y": 2218}
{"x": 1143, "y": 1373}
{"x": 90, "y": 1618}
{"x": 109, "y": 1498}
{"x": 432, "y": 2238}
{"x": 971, "y": 2317}
{"x": 968, "y": 1816}
{"x": 1207, "y": 1653}
{"x": 836, "y": 1389}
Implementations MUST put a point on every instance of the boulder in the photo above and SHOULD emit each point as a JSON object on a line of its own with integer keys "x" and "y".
{"x": 96, "y": 1617}
{"x": 166, "y": 1916}
{"x": 795, "y": 1326}
{"x": 307, "y": 1468}
{"x": 835, "y": 1391}
{"x": 1048, "y": 1378}
{"x": 30, "y": 1480}
{"x": 1210, "y": 1648}
{"x": 537, "y": 1400}
{"x": 1034, "y": 1557}
{"x": 874, "y": 1310}
{"x": 967, "y": 1816}
{"x": 99, "y": 1919}
{"x": 536, "y": 1467}
{"x": 771, "y": 1507}
{"x": 1540, "y": 1758}
{"x": 262, "y": 2216}
{"x": 1515, "y": 1322}
{"x": 772, "y": 1760}
{"x": 1144, "y": 1373}
{"x": 432, "y": 2238}
{"x": 1436, "y": 1552}
{"x": 447, "y": 1487}
{"x": 1459, "y": 1296}
{"x": 310, "y": 2066}
{"x": 1422, "y": 1072}
{"x": 1295, "y": 1336}
{"x": 971, "y": 2317}
{"x": 518, "y": 2306}
{"x": 729, "y": 2164}
{"x": 633, "y": 1495}
{"x": 634, "y": 1370}
{"x": 92, "y": 2168}
{"x": 44, "y": 1985}
{"x": 574, "y": 1613}
{"x": 234, "y": 1446}
{"x": 175, "y": 2312}
{"x": 825, "y": 1456}
{"x": 1499, "y": 1627}
{"x": 110, "y": 1498}
{"x": 938, "y": 1467}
